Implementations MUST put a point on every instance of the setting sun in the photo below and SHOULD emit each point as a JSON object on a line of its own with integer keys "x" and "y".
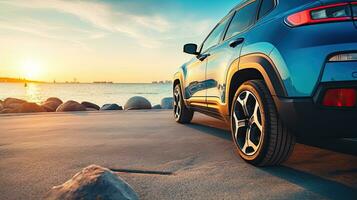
{"x": 31, "y": 69}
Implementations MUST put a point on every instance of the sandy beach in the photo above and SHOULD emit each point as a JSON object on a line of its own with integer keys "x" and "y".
{"x": 161, "y": 159}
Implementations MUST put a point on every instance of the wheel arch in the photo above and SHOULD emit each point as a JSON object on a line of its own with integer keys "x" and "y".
{"x": 178, "y": 79}
{"x": 255, "y": 66}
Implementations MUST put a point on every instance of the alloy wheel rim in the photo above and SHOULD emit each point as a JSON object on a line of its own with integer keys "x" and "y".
{"x": 247, "y": 123}
{"x": 177, "y": 104}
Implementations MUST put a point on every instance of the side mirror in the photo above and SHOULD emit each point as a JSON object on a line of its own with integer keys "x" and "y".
{"x": 190, "y": 49}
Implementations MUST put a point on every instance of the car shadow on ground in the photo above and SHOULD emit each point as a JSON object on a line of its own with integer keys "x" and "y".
{"x": 327, "y": 168}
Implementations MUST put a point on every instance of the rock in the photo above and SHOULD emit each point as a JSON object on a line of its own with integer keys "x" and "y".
{"x": 54, "y": 99}
{"x": 7, "y": 110}
{"x": 71, "y": 106}
{"x": 90, "y": 105}
{"x": 158, "y": 106}
{"x": 167, "y": 103}
{"x": 111, "y": 107}
{"x": 14, "y": 106}
{"x": 9, "y": 101}
{"x": 30, "y": 108}
{"x": 93, "y": 182}
{"x": 137, "y": 103}
{"x": 51, "y": 104}
{"x": 1, "y": 106}
{"x": 91, "y": 109}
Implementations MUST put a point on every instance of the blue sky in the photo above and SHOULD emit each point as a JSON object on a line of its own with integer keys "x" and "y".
{"x": 121, "y": 41}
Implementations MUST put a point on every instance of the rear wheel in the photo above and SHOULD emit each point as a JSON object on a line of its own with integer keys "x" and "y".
{"x": 181, "y": 113}
{"x": 259, "y": 135}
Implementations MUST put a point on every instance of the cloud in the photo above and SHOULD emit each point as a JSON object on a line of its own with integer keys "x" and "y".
{"x": 148, "y": 30}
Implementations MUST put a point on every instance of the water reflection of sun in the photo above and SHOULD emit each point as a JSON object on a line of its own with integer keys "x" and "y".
{"x": 32, "y": 93}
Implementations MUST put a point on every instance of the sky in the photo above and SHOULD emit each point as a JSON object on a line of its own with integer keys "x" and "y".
{"x": 122, "y": 41}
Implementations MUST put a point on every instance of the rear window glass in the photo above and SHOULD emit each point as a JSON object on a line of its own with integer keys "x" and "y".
{"x": 267, "y": 6}
{"x": 354, "y": 10}
{"x": 243, "y": 19}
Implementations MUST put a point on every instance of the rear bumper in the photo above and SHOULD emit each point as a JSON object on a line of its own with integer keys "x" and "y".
{"x": 306, "y": 117}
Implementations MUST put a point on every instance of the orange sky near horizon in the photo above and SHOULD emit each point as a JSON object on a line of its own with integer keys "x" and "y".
{"x": 120, "y": 41}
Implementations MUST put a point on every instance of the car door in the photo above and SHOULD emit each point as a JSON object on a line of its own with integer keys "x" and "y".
{"x": 223, "y": 55}
{"x": 196, "y": 82}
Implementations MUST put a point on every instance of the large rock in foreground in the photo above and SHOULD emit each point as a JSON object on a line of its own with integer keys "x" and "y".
{"x": 111, "y": 107}
{"x": 51, "y": 104}
{"x": 137, "y": 103}
{"x": 93, "y": 183}
{"x": 90, "y": 105}
{"x": 71, "y": 106}
{"x": 167, "y": 103}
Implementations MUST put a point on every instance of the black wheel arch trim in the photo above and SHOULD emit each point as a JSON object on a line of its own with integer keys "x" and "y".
{"x": 267, "y": 69}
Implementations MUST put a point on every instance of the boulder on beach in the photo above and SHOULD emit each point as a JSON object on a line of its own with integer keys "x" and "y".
{"x": 111, "y": 107}
{"x": 30, "y": 108}
{"x": 70, "y": 106}
{"x": 91, "y": 109}
{"x": 51, "y": 104}
{"x": 54, "y": 99}
{"x": 14, "y": 106}
{"x": 158, "y": 106}
{"x": 167, "y": 103}
{"x": 137, "y": 103}
{"x": 90, "y": 105}
{"x": 7, "y": 110}
{"x": 93, "y": 182}
{"x": 12, "y": 101}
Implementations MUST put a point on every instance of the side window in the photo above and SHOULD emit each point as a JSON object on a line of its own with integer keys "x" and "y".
{"x": 243, "y": 19}
{"x": 215, "y": 35}
{"x": 266, "y": 6}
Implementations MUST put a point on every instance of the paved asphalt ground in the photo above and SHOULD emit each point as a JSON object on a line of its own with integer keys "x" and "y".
{"x": 162, "y": 159}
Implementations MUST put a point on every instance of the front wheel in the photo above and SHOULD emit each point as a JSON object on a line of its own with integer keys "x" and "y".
{"x": 182, "y": 114}
{"x": 259, "y": 135}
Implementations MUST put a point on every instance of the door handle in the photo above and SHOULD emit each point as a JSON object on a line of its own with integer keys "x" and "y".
{"x": 236, "y": 42}
{"x": 203, "y": 56}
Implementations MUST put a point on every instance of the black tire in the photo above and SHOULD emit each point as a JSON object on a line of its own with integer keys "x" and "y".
{"x": 275, "y": 142}
{"x": 182, "y": 114}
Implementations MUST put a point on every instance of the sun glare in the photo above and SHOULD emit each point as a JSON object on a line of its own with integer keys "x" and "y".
{"x": 31, "y": 69}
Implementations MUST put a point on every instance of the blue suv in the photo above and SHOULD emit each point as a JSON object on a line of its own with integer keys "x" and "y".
{"x": 277, "y": 71}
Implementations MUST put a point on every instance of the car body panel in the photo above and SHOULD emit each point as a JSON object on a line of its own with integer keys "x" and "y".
{"x": 195, "y": 77}
{"x": 300, "y": 59}
{"x": 340, "y": 71}
{"x": 219, "y": 61}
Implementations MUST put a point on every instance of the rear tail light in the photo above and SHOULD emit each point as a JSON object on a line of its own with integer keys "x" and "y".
{"x": 329, "y": 13}
{"x": 340, "y": 98}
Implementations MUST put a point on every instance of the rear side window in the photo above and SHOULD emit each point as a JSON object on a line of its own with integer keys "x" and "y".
{"x": 354, "y": 7}
{"x": 243, "y": 19}
{"x": 215, "y": 35}
{"x": 266, "y": 7}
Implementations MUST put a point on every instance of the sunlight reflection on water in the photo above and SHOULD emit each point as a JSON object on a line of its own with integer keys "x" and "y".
{"x": 32, "y": 93}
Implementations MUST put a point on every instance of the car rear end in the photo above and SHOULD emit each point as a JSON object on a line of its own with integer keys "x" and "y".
{"x": 317, "y": 60}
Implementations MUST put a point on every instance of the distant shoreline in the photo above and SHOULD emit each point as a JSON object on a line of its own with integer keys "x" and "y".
{"x": 18, "y": 80}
